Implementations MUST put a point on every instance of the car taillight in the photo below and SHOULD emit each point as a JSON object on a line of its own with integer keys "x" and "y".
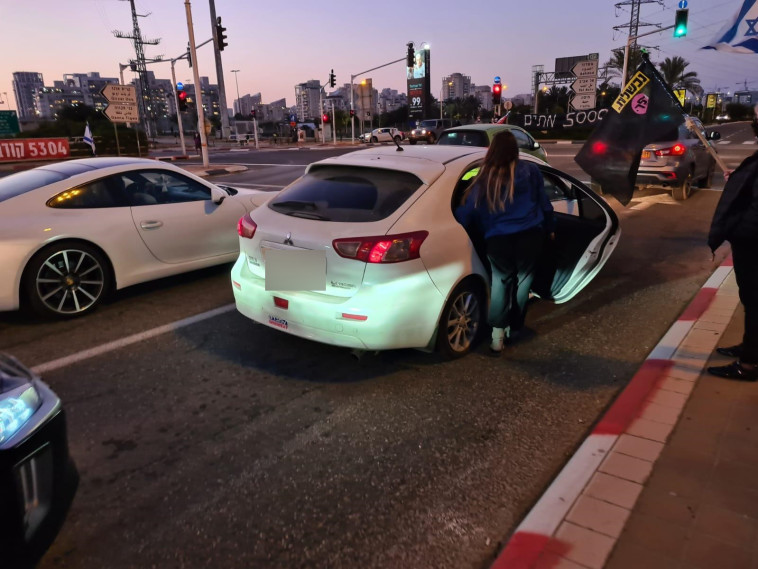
{"x": 676, "y": 150}
{"x": 382, "y": 248}
{"x": 246, "y": 226}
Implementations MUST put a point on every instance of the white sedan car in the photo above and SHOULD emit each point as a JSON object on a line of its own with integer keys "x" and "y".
{"x": 384, "y": 134}
{"x": 363, "y": 251}
{"x": 71, "y": 232}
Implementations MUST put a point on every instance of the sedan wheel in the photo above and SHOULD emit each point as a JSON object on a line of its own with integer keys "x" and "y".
{"x": 683, "y": 190}
{"x": 66, "y": 280}
{"x": 374, "y": 139}
{"x": 460, "y": 321}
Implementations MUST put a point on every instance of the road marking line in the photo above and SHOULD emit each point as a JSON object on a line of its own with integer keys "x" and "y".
{"x": 129, "y": 340}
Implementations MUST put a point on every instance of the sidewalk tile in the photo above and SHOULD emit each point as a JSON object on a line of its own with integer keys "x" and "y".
{"x": 627, "y": 467}
{"x": 677, "y": 385}
{"x": 660, "y": 414}
{"x": 677, "y": 509}
{"x": 555, "y": 561}
{"x": 613, "y": 489}
{"x": 685, "y": 370}
{"x": 706, "y": 552}
{"x": 740, "y": 500}
{"x": 649, "y": 430}
{"x": 710, "y": 326}
{"x": 727, "y": 526}
{"x": 638, "y": 447}
{"x": 661, "y": 536}
{"x": 629, "y": 555}
{"x": 693, "y": 439}
{"x": 668, "y": 399}
{"x": 586, "y": 547}
{"x": 735, "y": 474}
{"x": 674, "y": 478}
{"x": 598, "y": 516}
{"x": 739, "y": 450}
{"x": 716, "y": 318}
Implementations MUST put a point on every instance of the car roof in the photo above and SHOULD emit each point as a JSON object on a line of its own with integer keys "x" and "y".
{"x": 485, "y": 127}
{"x": 426, "y": 162}
{"x": 72, "y": 168}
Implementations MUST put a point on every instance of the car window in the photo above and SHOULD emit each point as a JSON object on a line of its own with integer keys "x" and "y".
{"x": 522, "y": 139}
{"x": 346, "y": 193}
{"x": 464, "y": 138}
{"x": 429, "y": 124}
{"x": 22, "y": 182}
{"x": 97, "y": 194}
{"x": 150, "y": 187}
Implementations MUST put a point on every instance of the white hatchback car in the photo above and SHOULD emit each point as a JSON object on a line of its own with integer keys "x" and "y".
{"x": 363, "y": 251}
{"x": 70, "y": 232}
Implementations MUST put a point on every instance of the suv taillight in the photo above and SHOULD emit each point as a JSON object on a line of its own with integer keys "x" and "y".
{"x": 676, "y": 150}
{"x": 246, "y": 226}
{"x": 382, "y": 248}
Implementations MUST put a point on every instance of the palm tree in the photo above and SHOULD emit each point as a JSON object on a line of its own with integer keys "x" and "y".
{"x": 673, "y": 70}
{"x": 616, "y": 63}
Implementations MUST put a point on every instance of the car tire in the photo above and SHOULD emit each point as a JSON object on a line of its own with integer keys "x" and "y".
{"x": 412, "y": 142}
{"x": 683, "y": 190}
{"x": 66, "y": 280}
{"x": 461, "y": 320}
{"x": 374, "y": 139}
{"x": 707, "y": 182}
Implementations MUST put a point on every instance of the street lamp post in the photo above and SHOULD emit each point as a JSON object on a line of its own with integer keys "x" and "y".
{"x": 239, "y": 104}
{"x": 5, "y": 97}
{"x": 449, "y": 84}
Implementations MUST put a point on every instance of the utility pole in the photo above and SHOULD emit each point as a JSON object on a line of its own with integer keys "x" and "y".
{"x": 145, "y": 98}
{"x": 198, "y": 88}
{"x": 225, "y": 130}
{"x": 634, "y": 25}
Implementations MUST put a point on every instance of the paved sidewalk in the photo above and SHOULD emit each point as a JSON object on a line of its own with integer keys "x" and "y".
{"x": 668, "y": 478}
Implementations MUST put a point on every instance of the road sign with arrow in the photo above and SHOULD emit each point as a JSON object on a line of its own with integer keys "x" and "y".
{"x": 122, "y": 103}
{"x": 585, "y": 85}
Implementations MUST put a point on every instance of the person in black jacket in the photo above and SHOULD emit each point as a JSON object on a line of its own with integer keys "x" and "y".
{"x": 736, "y": 221}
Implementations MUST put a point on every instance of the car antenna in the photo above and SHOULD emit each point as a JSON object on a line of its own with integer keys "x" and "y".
{"x": 397, "y": 143}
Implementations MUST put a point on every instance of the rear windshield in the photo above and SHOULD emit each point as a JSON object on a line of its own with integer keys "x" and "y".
{"x": 464, "y": 138}
{"x": 22, "y": 182}
{"x": 346, "y": 193}
{"x": 673, "y": 134}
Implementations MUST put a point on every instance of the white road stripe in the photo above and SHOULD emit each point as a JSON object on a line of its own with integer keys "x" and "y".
{"x": 133, "y": 339}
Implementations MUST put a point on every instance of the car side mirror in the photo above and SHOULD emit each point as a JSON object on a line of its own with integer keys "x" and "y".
{"x": 218, "y": 195}
{"x": 713, "y": 135}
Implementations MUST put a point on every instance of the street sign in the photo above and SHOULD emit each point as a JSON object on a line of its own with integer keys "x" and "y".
{"x": 122, "y": 113}
{"x": 711, "y": 101}
{"x": 584, "y": 85}
{"x": 508, "y": 105}
{"x": 586, "y": 68}
{"x": 583, "y": 102}
{"x": 120, "y": 94}
{"x": 9, "y": 123}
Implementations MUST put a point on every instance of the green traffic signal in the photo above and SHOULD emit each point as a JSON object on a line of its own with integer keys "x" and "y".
{"x": 680, "y": 23}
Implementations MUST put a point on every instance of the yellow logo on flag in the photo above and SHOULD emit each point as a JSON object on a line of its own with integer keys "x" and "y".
{"x": 634, "y": 86}
{"x": 680, "y": 94}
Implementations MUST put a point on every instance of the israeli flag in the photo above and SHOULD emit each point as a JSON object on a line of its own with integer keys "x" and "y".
{"x": 740, "y": 35}
{"x": 88, "y": 138}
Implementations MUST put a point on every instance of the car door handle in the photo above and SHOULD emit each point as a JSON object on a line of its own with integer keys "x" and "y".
{"x": 151, "y": 224}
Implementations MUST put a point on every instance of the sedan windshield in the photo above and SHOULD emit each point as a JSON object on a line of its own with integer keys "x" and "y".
{"x": 346, "y": 193}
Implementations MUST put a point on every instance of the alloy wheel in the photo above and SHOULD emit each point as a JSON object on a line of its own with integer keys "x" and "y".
{"x": 462, "y": 322}
{"x": 69, "y": 281}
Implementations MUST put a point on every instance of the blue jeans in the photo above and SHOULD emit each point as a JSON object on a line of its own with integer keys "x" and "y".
{"x": 513, "y": 259}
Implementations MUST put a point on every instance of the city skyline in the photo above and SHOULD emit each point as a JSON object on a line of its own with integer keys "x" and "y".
{"x": 276, "y": 50}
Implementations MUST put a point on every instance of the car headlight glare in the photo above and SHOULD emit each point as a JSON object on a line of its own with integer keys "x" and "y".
{"x": 16, "y": 407}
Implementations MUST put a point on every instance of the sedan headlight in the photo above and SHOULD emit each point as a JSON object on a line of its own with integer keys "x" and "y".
{"x": 16, "y": 408}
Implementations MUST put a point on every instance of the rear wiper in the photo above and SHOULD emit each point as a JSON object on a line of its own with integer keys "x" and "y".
{"x": 296, "y": 204}
{"x": 308, "y": 215}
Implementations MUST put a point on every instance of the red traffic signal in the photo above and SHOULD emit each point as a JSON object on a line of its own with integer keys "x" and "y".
{"x": 497, "y": 93}
{"x": 182, "y": 98}
{"x": 352, "y": 113}
{"x": 325, "y": 118}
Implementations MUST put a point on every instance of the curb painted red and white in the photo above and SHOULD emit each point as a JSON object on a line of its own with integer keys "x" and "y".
{"x": 579, "y": 518}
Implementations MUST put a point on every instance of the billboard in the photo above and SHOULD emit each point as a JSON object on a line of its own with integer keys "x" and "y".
{"x": 418, "y": 76}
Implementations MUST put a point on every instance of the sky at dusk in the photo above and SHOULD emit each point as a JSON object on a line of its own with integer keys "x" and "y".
{"x": 276, "y": 45}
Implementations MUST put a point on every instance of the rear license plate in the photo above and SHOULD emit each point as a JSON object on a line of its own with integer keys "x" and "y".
{"x": 278, "y": 322}
{"x": 646, "y": 155}
{"x": 295, "y": 270}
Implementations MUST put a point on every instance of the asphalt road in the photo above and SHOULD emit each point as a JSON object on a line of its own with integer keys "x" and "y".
{"x": 229, "y": 444}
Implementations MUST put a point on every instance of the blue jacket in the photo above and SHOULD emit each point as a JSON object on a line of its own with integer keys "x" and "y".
{"x": 530, "y": 207}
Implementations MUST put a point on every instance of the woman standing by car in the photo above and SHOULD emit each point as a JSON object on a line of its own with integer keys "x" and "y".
{"x": 507, "y": 205}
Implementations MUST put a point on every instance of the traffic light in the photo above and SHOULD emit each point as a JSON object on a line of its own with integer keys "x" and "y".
{"x": 325, "y": 118}
{"x": 332, "y": 79}
{"x": 189, "y": 55}
{"x": 409, "y": 55}
{"x": 252, "y": 114}
{"x": 181, "y": 96}
{"x": 133, "y": 66}
{"x": 352, "y": 113}
{"x": 220, "y": 35}
{"x": 497, "y": 93}
{"x": 680, "y": 23}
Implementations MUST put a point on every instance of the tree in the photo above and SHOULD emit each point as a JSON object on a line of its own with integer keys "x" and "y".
{"x": 675, "y": 74}
{"x": 616, "y": 63}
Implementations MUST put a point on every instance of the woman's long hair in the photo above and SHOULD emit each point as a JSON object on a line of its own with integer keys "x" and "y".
{"x": 498, "y": 169}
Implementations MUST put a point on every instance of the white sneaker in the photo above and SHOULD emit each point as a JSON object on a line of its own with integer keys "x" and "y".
{"x": 498, "y": 336}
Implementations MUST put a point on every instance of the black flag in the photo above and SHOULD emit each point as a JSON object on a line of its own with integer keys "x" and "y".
{"x": 644, "y": 111}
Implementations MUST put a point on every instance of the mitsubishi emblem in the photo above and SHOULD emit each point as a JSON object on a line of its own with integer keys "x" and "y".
{"x": 288, "y": 239}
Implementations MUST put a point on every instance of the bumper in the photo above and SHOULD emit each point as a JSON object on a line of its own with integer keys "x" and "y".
{"x": 400, "y": 311}
{"x": 38, "y": 481}
{"x": 661, "y": 176}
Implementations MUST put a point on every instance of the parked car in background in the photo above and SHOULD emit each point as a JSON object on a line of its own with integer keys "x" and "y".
{"x": 71, "y": 232}
{"x": 429, "y": 130}
{"x": 38, "y": 478}
{"x": 481, "y": 135}
{"x": 364, "y": 252}
{"x": 678, "y": 160}
{"x": 384, "y": 134}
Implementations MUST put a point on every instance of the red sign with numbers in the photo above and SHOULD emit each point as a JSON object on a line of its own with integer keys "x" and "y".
{"x": 17, "y": 150}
